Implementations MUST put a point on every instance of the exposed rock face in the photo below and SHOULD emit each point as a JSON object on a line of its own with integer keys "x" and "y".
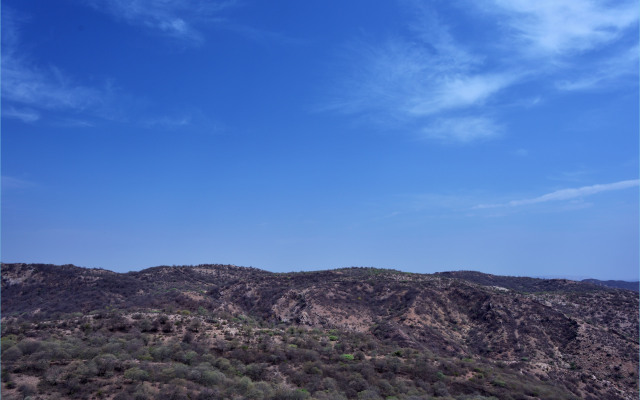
{"x": 581, "y": 335}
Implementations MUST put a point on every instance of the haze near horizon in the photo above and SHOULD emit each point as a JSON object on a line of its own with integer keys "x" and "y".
{"x": 290, "y": 136}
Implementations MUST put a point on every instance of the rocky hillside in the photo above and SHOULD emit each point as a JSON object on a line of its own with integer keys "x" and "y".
{"x": 349, "y": 333}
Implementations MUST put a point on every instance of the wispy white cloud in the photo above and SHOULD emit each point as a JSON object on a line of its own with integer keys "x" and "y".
{"x": 414, "y": 82}
{"x": 74, "y": 123}
{"x": 605, "y": 73}
{"x": 33, "y": 91}
{"x": 579, "y": 42}
{"x": 195, "y": 119}
{"x": 29, "y": 88}
{"x": 462, "y": 129}
{"x": 47, "y": 88}
{"x": 408, "y": 206}
{"x": 461, "y": 91}
{"x": 261, "y": 36}
{"x": 566, "y": 194}
{"x": 23, "y": 114}
{"x": 11, "y": 182}
{"x": 186, "y": 20}
{"x": 566, "y": 27}
{"x": 168, "y": 122}
{"x": 423, "y": 80}
{"x": 174, "y": 18}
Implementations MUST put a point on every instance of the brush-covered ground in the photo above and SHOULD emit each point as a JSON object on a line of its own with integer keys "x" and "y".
{"x": 225, "y": 332}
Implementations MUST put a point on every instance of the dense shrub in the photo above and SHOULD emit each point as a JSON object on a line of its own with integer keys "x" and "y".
{"x": 105, "y": 364}
{"x": 28, "y": 346}
{"x": 11, "y": 354}
{"x": 136, "y": 374}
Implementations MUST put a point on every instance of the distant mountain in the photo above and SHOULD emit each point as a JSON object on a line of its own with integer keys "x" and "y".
{"x": 522, "y": 284}
{"x": 221, "y": 331}
{"x": 531, "y": 285}
{"x": 635, "y": 286}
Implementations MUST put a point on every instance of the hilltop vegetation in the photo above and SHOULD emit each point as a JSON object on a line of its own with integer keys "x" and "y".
{"x": 225, "y": 332}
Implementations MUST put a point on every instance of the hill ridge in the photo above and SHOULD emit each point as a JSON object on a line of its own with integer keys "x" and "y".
{"x": 560, "y": 327}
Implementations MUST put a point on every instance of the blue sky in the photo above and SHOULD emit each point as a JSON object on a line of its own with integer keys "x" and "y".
{"x": 499, "y": 136}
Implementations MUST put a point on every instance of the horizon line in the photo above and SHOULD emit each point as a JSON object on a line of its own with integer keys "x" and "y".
{"x": 575, "y": 278}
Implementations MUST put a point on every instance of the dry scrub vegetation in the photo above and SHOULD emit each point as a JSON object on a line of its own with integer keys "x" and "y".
{"x": 222, "y": 332}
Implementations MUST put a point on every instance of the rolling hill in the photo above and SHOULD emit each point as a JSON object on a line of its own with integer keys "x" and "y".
{"x": 221, "y": 331}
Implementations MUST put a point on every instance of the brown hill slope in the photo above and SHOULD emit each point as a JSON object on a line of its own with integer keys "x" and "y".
{"x": 579, "y": 338}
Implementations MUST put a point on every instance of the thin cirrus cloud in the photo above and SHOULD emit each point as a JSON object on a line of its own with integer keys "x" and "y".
{"x": 29, "y": 89}
{"x": 454, "y": 92}
{"x": 174, "y": 18}
{"x": 566, "y": 194}
{"x": 463, "y": 129}
{"x": 622, "y": 68}
{"x": 411, "y": 83}
{"x": 43, "y": 88}
{"x": 423, "y": 82}
{"x": 11, "y": 182}
{"x": 26, "y": 115}
{"x": 33, "y": 92}
{"x": 427, "y": 81}
{"x": 567, "y": 27}
{"x": 564, "y": 31}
